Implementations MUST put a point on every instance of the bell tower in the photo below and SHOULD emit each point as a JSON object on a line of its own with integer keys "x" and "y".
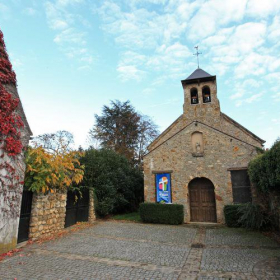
{"x": 200, "y": 98}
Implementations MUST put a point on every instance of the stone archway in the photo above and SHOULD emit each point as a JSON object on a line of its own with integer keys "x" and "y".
{"x": 202, "y": 200}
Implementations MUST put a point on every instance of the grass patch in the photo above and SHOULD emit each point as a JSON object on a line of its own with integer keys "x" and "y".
{"x": 134, "y": 216}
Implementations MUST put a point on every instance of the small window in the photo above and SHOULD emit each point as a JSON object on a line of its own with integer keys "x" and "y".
{"x": 241, "y": 186}
{"x": 194, "y": 96}
{"x": 206, "y": 94}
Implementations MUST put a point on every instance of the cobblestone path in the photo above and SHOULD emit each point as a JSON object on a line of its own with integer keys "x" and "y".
{"x": 120, "y": 250}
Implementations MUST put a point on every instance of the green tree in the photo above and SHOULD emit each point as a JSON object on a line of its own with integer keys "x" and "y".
{"x": 264, "y": 170}
{"x": 123, "y": 130}
{"x": 117, "y": 184}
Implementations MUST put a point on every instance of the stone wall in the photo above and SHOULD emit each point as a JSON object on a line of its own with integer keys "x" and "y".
{"x": 208, "y": 113}
{"x": 10, "y": 188}
{"x": 221, "y": 152}
{"x": 47, "y": 214}
{"x": 91, "y": 214}
{"x": 10, "y": 201}
{"x": 10, "y": 197}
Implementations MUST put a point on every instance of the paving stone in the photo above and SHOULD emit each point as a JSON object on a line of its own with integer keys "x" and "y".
{"x": 144, "y": 252}
{"x": 157, "y": 233}
{"x": 234, "y": 260}
{"x": 55, "y": 267}
{"x": 114, "y": 250}
{"x": 237, "y": 237}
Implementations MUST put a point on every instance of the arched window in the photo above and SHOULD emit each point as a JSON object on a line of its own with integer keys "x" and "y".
{"x": 206, "y": 94}
{"x": 194, "y": 96}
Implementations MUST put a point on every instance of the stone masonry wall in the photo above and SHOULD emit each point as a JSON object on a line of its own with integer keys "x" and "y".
{"x": 221, "y": 152}
{"x": 10, "y": 201}
{"x": 47, "y": 214}
{"x": 91, "y": 214}
{"x": 208, "y": 113}
{"x": 10, "y": 189}
{"x": 9, "y": 215}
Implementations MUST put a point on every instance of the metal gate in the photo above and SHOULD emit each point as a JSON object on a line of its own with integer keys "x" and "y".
{"x": 77, "y": 208}
{"x": 25, "y": 213}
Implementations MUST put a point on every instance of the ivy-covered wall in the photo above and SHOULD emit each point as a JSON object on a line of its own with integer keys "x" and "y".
{"x": 14, "y": 137}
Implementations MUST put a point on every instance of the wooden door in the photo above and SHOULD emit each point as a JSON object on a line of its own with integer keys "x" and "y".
{"x": 202, "y": 200}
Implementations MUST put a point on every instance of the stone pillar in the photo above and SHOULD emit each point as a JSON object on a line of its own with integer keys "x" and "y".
{"x": 91, "y": 214}
{"x": 47, "y": 214}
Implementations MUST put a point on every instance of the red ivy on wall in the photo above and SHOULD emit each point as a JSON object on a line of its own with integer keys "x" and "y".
{"x": 10, "y": 121}
{"x": 10, "y": 139}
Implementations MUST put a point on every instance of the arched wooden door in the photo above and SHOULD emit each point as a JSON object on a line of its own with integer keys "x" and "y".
{"x": 202, "y": 200}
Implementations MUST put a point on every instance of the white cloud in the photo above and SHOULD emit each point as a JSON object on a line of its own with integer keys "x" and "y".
{"x": 248, "y": 36}
{"x": 148, "y": 91}
{"x": 151, "y": 39}
{"x": 231, "y": 46}
{"x": 71, "y": 39}
{"x": 58, "y": 24}
{"x": 65, "y": 3}
{"x": 214, "y": 14}
{"x": 250, "y": 99}
{"x": 273, "y": 77}
{"x": 252, "y": 64}
{"x": 130, "y": 72}
{"x": 274, "y": 29}
{"x": 262, "y": 8}
{"x": 254, "y": 97}
{"x": 70, "y": 35}
{"x": 248, "y": 87}
{"x": 159, "y": 41}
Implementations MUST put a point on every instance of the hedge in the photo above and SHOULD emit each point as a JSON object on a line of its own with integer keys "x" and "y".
{"x": 156, "y": 213}
{"x": 232, "y": 215}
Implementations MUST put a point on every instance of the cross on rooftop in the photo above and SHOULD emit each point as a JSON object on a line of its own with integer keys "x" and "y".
{"x": 197, "y": 54}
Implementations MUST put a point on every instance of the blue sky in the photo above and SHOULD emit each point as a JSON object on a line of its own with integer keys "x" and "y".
{"x": 73, "y": 56}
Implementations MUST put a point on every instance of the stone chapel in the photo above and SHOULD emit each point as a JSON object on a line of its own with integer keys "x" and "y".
{"x": 204, "y": 153}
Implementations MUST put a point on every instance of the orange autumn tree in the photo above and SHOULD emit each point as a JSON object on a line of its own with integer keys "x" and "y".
{"x": 52, "y": 166}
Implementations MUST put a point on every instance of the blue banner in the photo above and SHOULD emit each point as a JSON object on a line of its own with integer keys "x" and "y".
{"x": 163, "y": 187}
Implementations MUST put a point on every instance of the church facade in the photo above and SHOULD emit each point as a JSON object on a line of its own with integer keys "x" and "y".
{"x": 201, "y": 159}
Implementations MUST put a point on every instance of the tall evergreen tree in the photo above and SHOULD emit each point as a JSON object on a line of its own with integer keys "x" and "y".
{"x": 122, "y": 129}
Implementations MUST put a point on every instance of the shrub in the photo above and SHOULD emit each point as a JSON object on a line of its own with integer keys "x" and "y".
{"x": 48, "y": 171}
{"x": 264, "y": 170}
{"x": 232, "y": 215}
{"x": 157, "y": 213}
{"x": 117, "y": 184}
{"x": 247, "y": 215}
{"x": 252, "y": 217}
